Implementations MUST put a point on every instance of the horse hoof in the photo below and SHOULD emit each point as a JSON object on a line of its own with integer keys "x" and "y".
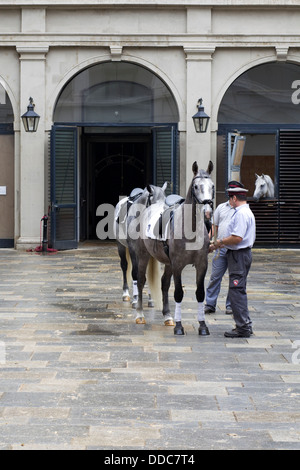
{"x": 169, "y": 322}
{"x": 134, "y": 304}
{"x": 179, "y": 330}
{"x": 203, "y": 331}
{"x": 126, "y": 298}
{"x": 150, "y": 304}
{"x": 140, "y": 321}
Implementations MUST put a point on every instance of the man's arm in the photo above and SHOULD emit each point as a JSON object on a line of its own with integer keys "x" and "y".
{"x": 231, "y": 240}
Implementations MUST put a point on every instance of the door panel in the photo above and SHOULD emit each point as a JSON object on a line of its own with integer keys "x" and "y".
{"x": 165, "y": 157}
{"x": 64, "y": 198}
{"x": 7, "y": 191}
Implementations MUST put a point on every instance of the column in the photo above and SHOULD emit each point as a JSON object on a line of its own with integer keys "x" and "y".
{"x": 198, "y": 146}
{"x": 32, "y": 146}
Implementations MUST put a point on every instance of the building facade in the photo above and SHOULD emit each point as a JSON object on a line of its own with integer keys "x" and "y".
{"x": 116, "y": 85}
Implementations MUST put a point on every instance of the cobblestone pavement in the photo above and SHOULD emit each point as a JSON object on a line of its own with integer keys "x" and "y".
{"x": 76, "y": 372}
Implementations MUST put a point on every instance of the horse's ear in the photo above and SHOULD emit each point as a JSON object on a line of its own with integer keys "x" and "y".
{"x": 165, "y": 186}
{"x": 256, "y": 176}
{"x": 262, "y": 175}
{"x": 210, "y": 167}
{"x": 149, "y": 189}
{"x": 195, "y": 168}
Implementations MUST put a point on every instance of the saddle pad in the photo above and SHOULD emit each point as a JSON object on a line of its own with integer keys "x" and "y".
{"x": 121, "y": 211}
{"x": 158, "y": 227}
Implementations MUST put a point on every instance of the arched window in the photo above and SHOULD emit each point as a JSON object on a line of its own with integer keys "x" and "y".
{"x": 116, "y": 93}
{"x": 265, "y": 94}
{"x": 6, "y": 111}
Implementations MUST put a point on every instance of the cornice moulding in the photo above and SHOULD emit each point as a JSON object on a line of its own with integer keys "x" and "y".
{"x": 148, "y": 3}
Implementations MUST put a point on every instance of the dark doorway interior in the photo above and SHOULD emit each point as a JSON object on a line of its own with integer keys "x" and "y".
{"x": 111, "y": 167}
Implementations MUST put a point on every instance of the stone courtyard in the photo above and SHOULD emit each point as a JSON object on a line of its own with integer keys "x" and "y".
{"x": 76, "y": 372}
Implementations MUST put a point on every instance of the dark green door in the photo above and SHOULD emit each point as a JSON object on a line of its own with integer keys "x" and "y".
{"x": 64, "y": 188}
{"x": 165, "y": 156}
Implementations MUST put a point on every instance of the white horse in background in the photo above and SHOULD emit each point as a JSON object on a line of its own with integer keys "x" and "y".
{"x": 264, "y": 187}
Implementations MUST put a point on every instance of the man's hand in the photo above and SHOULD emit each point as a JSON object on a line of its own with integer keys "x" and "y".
{"x": 218, "y": 244}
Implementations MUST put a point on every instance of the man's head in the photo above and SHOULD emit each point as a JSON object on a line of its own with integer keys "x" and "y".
{"x": 236, "y": 193}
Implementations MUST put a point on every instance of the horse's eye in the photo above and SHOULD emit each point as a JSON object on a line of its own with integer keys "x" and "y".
{"x": 196, "y": 186}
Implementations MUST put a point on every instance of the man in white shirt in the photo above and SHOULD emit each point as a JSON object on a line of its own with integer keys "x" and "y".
{"x": 222, "y": 216}
{"x": 239, "y": 239}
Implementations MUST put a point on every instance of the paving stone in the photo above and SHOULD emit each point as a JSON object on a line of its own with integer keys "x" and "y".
{"x": 76, "y": 372}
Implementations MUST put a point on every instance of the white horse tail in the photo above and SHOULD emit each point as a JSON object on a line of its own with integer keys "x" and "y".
{"x": 154, "y": 281}
{"x": 129, "y": 265}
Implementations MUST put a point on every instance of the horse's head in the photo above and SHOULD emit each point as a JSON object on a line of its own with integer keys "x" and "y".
{"x": 203, "y": 189}
{"x": 261, "y": 187}
{"x": 155, "y": 194}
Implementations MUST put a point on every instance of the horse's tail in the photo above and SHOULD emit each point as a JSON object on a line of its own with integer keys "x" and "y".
{"x": 154, "y": 281}
{"x": 129, "y": 264}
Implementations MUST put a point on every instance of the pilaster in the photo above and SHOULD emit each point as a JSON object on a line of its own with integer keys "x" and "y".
{"x": 198, "y": 69}
{"x": 32, "y": 164}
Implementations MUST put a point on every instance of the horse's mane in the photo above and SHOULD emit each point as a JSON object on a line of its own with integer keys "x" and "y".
{"x": 269, "y": 181}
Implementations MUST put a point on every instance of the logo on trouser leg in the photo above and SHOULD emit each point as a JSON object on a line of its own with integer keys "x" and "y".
{"x": 236, "y": 282}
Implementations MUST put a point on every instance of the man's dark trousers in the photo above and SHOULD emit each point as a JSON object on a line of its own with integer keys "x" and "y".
{"x": 239, "y": 262}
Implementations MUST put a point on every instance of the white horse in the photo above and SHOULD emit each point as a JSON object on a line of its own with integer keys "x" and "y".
{"x": 264, "y": 187}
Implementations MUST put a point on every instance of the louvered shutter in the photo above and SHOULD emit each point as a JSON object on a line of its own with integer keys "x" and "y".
{"x": 165, "y": 157}
{"x": 266, "y": 213}
{"x": 64, "y": 200}
{"x": 289, "y": 187}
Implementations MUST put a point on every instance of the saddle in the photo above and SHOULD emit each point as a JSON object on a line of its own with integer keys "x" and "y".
{"x": 158, "y": 227}
{"x": 125, "y": 206}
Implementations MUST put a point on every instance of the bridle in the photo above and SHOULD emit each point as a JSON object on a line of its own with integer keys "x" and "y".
{"x": 202, "y": 201}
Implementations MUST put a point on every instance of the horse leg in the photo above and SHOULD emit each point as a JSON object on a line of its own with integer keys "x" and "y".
{"x": 200, "y": 294}
{"x": 134, "y": 275}
{"x": 165, "y": 285}
{"x": 150, "y": 300}
{"x": 178, "y": 296}
{"x": 142, "y": 266}
{"x": 124, "y": 266}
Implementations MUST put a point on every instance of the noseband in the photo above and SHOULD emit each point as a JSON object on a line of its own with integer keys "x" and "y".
{"x": 200, "y": 201}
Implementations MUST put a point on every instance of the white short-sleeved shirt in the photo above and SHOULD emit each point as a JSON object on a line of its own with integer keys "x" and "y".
{"x": 242, "y": 224}
{"x": 222, "y": 217}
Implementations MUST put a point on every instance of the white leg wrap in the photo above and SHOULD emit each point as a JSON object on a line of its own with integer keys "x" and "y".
{"x": 134, "y": 288}
{"x": 201, "y": 314}
{"x": 177, "y": 316}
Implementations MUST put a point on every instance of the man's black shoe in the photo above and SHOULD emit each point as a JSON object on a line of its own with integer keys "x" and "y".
{"x": 209, "y": 309}
{"x": 237, "y": 334}
{"x": 250, "y": 330}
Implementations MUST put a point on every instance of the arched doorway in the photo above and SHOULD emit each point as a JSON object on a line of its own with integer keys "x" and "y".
{"x": 115, "y": 128}
{"x": 7, "y": 213}
{"x": 262, "y": 106}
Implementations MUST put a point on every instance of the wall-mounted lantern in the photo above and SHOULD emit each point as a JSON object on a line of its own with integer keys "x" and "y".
{"x": 30, "y": 119}
{"x": 201, "y": 119}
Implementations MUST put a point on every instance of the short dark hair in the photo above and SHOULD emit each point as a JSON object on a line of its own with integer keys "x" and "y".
{"x": 241, "y": 197}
